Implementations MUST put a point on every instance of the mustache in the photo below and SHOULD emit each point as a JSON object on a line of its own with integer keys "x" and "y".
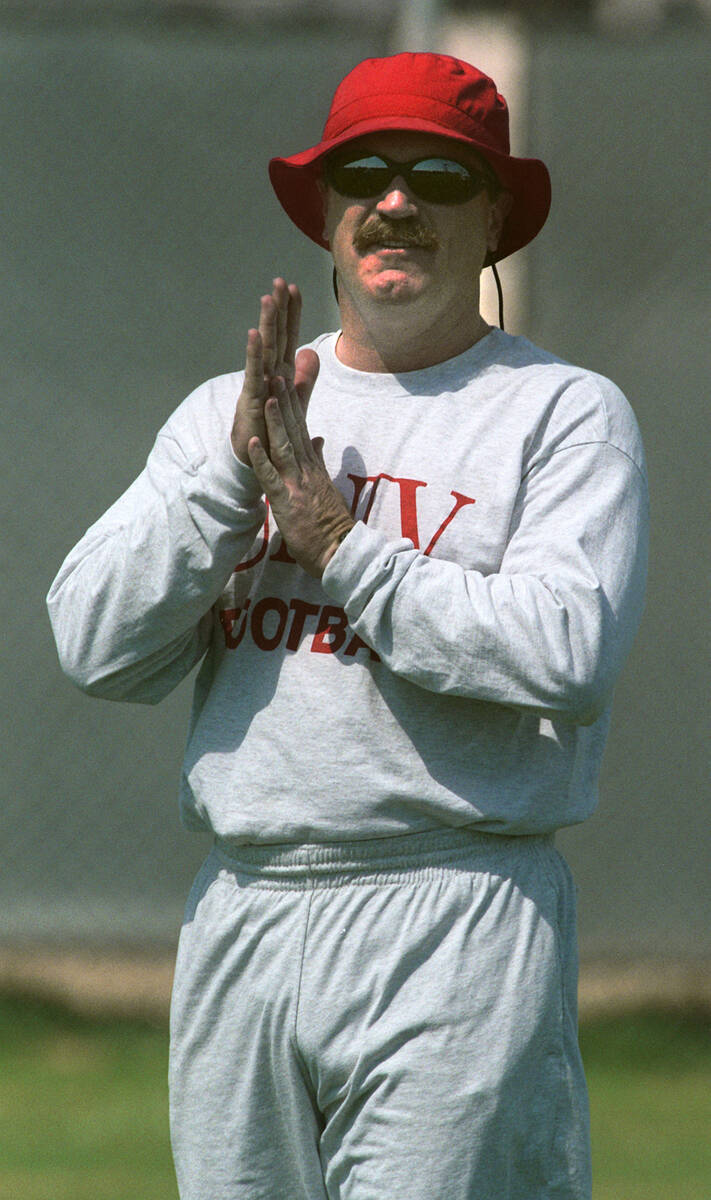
{"x": 407, "y": 232}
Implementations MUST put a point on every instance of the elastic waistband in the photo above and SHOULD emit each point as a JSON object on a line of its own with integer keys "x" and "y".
{"x": 377, "y": 859}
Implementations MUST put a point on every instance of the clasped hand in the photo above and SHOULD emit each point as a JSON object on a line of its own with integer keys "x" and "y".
{"x": 270, "y": 433}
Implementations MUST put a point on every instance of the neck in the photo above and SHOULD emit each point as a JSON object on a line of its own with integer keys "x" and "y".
{"x": 392, "y": 342}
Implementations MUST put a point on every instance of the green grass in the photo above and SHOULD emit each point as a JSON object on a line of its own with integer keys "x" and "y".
{"x": 83, "y": 1107}
{"x": 649, "y": 1079}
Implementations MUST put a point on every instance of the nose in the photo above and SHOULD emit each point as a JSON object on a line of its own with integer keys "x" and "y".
{"x": 396, "y": 201}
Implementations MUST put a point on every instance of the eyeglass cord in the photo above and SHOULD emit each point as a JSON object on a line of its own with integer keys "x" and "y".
{"x": 501, "y": 295}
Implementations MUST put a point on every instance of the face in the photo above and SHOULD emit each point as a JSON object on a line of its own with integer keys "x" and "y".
{"x": 395, "y": 249}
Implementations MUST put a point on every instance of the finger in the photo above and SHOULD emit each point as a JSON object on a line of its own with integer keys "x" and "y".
{"x": 292, "y": 416}
{"x": 267, "y": 474}
{"x": 280, "y": 295}
{"x": 293, "y": 324}
{"x": 308, "y": 365}
{"x": 268, "y": 332}
{"x": 281, "y": 450}
{"x": 253, "y": 385}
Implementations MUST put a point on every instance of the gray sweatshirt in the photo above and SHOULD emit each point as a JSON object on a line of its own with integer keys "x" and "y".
{"x": 454, "y": 666}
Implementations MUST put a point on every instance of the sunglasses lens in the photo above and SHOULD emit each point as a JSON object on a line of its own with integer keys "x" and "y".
{"x": 361, "y": 177}
{"x": 434, "y": 180}
{"x": 442, "y": 181}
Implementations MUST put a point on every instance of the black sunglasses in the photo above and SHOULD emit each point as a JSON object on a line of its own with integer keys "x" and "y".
{"x": 434, "y": 180}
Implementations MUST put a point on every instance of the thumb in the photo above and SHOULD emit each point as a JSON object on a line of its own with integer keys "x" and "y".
{"x": 306, "y": 371}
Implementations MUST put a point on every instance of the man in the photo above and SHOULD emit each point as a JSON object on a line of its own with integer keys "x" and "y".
{"x": 408, "y": 659}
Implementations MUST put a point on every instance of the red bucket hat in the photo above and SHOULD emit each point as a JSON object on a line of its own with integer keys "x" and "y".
{"x": 430, "y": 93}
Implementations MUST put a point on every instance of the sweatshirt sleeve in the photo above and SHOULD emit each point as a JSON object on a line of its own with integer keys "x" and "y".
{"x": 549, "y": 631}
{"x": 130, "y": 607}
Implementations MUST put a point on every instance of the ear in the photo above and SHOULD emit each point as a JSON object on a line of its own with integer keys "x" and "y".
{"x": 499, "y": 209}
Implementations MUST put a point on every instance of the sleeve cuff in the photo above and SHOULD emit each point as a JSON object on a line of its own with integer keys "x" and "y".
{"x": 235, "y": 480}
{"x": 358, "y": 565}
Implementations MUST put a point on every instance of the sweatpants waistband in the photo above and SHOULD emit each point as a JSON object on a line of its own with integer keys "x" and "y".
{"x": 422, "y": 855}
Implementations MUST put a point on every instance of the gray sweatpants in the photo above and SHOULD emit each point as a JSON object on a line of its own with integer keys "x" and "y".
{"x": 383, "y": 1020}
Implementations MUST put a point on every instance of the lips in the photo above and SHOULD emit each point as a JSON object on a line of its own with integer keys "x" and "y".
{"x": 395, "y": 248}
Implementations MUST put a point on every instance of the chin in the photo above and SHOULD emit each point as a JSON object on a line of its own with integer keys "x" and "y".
{"x": 395, "y": 285}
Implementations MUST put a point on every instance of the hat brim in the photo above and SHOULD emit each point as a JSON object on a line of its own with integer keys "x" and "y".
{"x": 296, "y": 182}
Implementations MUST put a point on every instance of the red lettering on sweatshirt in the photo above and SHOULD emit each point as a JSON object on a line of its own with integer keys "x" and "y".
{"x": 356, "y": 643}
{"x": 228, "y": 616}
{"x": 333, "y": 624}
{"x": 281, "y": 554}
{"x": 267, "y": 623}
{"x": 408, "y": 505}
{"x": 408, "y": 501}
{"x": 270, "y": 604}
{"x": 459, "y": 502}
{"x": 301, "y": 609}
{"x": 408, "y": 516}
{"x": 252, "y": 562}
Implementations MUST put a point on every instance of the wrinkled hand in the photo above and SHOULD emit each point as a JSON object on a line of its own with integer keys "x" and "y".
{"x": 308, "y": 508}
{"x": 271, "y": 350}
